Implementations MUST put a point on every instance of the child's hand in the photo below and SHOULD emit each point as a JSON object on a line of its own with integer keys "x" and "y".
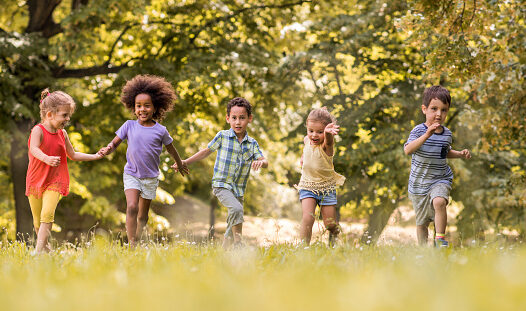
{"x": 103, "y": 151}
{"x": 465, "y": 154}
{"x": 52, "y": 160}
{"x": 256, "y": 165}
{"x": 432, "y": 128}
{"x": 332, "y": 128}
{"x": 183, "y": 170}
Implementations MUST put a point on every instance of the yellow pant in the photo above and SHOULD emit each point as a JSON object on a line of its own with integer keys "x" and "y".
{"x": 43, "y": 209}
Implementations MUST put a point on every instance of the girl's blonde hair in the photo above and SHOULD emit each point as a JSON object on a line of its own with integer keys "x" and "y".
{"x": 321, "y": 115}
{"x": 51, "y": 101}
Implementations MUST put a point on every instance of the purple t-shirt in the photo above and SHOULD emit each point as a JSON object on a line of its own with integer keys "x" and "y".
{"x": 144, "y": 147}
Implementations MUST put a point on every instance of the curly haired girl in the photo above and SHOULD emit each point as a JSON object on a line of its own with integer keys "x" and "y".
{"x": 149, "y": 98}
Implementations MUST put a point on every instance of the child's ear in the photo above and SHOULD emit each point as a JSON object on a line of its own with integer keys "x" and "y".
{"x": 424, "y": 108}
{"x": 49, "y": 114}
{"x": 250, "y": 118}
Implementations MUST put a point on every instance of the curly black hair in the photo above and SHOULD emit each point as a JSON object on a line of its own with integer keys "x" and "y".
{"x": 161, "y": 92}
{"x": 240, "y": 102}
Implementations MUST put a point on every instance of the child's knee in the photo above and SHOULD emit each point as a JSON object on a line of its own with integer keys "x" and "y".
{"x": 333, "y": 227}
{"x": 143, "y": 218}
{"x": 308, "y": 219}
{"x": 237, "y": 212}
{"x": 132, "y": 208}
{"x": 439, "y": 203}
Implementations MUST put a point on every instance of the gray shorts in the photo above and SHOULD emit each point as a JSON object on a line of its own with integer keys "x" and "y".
{"x": 423, "y": 204}
{"x": 146, "y": 186}
{"x": 234, "y": 206}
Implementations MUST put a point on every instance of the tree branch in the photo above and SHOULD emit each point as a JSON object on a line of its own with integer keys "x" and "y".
{"x": 62, "y": 72}
{"x": 241, "y": 11}
{"x": 41, "y": 17}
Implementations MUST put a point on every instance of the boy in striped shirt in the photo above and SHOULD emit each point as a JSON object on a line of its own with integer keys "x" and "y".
{"x": 430, "y": 179}
{"x": 237, "y": 153}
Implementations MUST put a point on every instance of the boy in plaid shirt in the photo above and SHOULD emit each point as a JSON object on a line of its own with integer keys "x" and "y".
{"x": 236, "y": 154}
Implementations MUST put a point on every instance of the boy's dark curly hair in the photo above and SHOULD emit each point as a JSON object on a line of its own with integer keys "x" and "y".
{"x": 161, "y": 92}
{"x": 240, "y": 102}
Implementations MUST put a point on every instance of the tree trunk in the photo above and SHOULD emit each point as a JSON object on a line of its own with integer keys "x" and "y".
{"x": 19, "y": 162}
{"x": 377, "y": 222}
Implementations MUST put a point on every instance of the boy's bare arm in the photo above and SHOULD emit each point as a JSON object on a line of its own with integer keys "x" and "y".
{"x": 417, "y": 143}
{"x": 198, "y": 156}
{"x": 454, "y": 154}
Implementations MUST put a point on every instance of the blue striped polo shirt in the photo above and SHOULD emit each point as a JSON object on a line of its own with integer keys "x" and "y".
{"x": 428, "y": 163}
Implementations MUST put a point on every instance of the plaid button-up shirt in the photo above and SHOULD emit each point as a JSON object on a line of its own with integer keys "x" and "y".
{"x": 233, "y": 160}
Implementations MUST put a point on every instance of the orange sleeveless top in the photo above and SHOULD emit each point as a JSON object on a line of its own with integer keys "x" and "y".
{"x": 40, "y": 176}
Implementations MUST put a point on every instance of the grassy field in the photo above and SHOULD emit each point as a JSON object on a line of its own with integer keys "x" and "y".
{"x": 103, "y": 275}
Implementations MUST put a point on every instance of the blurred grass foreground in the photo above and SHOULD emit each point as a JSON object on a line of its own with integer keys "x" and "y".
{"x": 102, "y": 275}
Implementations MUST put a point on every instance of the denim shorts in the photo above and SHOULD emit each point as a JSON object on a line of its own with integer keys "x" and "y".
{"x": 327, "y": 198}
{"x": 146, "y": 186}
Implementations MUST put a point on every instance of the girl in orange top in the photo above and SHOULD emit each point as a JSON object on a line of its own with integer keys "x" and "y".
{"x": 47, "y": 177}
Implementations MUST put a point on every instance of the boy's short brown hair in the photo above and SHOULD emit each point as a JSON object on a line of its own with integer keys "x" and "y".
{"x": 436, "y": 91}
{"x": 240, "y": 102}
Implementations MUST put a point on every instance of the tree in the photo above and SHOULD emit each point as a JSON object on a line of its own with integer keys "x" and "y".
{"x": 212, "y": 50}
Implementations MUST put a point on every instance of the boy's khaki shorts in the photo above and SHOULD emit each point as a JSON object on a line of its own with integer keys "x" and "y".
{"x": 423, "y": 204}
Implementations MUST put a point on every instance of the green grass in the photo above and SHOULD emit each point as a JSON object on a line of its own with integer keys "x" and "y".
{"x": 185, "y": 276}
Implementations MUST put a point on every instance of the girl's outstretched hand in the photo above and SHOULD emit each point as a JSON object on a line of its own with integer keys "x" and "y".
{"x": 183, "y": 170}
{"x": 332, "y": 128}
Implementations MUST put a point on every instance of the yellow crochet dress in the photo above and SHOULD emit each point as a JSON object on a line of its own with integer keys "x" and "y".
{"x": 317, "y": 173}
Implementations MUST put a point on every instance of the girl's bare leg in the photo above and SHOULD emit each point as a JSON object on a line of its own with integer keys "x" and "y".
{"x": 142, "y": 216}
{"x": 132, "y": 209}
{"x": 42, "y": 237}
{"x": 328, "y": 213}
{"x": 308, "y": 206}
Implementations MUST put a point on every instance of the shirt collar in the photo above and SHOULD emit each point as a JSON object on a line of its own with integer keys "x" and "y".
{"x": 231, "y": 133}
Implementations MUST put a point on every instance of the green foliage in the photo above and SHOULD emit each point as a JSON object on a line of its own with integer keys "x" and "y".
{"x": 367, "y": 61}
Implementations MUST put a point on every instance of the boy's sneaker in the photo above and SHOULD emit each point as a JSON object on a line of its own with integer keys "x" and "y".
{"x": 441, "y": 242}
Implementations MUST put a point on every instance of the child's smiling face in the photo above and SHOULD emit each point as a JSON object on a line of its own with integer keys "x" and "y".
{"x": 239, "y": 120}
{"x": 58, "y": 120}
{"x": 315, "y": 132}
{"x": 436, "y": 112}
{"x": 144, "y": 109}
